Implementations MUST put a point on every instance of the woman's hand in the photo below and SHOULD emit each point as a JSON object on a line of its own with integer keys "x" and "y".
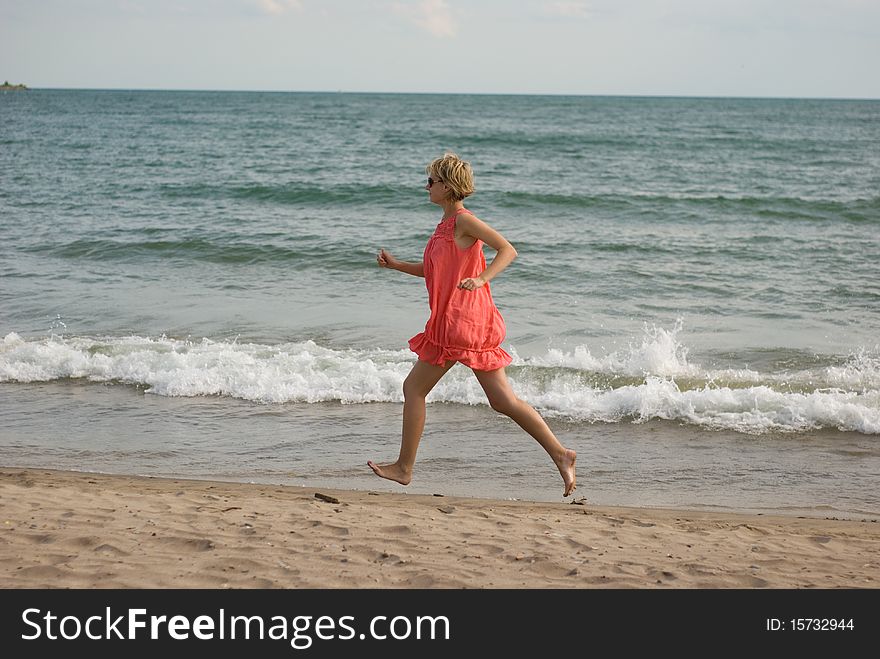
{"x": 472, "y": 283}
{"x": 385, "y": 259}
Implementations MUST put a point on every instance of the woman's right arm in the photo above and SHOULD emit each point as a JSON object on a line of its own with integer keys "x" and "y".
{"x": 386, "y": 260}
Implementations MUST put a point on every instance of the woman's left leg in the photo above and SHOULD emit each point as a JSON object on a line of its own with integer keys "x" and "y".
{"x": 503, "y": 400}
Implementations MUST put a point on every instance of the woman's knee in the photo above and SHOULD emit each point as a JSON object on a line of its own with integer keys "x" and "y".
{"x": 413, "y": 389}
{"x": 504, "y": 404}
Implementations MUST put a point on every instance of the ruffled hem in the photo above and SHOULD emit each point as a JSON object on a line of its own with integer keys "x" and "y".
{"x": 480, "y": 360}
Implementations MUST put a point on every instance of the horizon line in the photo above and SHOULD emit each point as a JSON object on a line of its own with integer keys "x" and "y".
{"x": 450, "y": 93}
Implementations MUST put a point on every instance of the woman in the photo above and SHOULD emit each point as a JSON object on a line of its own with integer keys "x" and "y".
{"x": 465, "y": 326}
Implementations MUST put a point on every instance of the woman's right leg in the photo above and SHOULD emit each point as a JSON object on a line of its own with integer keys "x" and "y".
{"x": 502, "y": 399}
{"x": 416, "y": 387}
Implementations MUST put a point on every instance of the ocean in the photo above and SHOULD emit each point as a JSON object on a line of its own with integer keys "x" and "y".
{"x": 189, "y": 289}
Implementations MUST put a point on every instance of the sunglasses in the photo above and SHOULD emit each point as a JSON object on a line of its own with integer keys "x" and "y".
{"x": 431, "y": 181}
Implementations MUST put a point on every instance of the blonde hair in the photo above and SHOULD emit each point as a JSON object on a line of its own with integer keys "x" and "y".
{"x": 455, "y": 173}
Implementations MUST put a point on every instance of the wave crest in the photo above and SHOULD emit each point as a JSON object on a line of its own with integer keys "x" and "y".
{"x": 652, "y": 379}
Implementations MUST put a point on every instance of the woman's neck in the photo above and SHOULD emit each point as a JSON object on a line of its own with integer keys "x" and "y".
{"x": 450, "y": 208}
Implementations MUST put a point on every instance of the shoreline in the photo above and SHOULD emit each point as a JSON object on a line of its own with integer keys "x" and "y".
{"x": 389, "y": 488}
{"x": 64, "y": 529}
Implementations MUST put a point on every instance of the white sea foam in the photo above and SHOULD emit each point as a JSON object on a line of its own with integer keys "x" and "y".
{"x": 659, "y": 353}
{"x": 662, "y": 383}
{"x": 753, "y": 410}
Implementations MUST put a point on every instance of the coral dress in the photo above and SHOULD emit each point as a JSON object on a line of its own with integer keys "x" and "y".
{"x": 465, "y": 326}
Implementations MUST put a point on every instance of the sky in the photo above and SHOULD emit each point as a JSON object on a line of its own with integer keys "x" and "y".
{"x": 757, "y": 48}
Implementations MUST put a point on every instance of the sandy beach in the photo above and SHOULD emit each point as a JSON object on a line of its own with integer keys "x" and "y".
{"x": 83, "y": 530}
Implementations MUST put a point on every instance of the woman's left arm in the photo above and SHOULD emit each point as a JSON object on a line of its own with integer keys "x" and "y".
{"x": 476, "y": 228}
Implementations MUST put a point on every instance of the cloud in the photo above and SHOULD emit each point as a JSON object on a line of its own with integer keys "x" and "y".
{"x": 570, "y": 9}
{"x": 278, "y": 7}
{"x": 433, "y": 16}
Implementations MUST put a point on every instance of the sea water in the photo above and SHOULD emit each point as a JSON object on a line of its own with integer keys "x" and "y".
{"x": 189, "y": 288}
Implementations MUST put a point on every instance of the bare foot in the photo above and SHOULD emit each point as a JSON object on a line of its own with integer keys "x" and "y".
{"x": 392, "y": 472}
{"x": 566, "y": 468}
